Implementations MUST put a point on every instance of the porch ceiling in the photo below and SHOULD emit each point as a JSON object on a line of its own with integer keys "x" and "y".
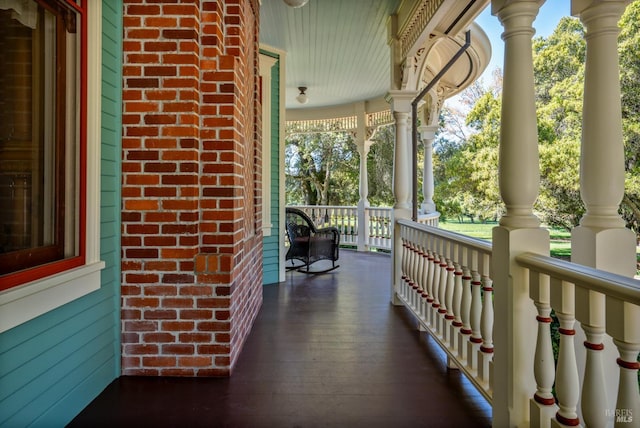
{"x": 336, "y": 48}
{"x": 339, "y": 49}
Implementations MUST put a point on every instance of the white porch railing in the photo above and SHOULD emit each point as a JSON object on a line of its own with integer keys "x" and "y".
{"x": 604, "y": 304}
{"x": 342, "y": 217}
{"x": 447, "y": 286}
{"x": 380, "y": 228}
{"x": 377, "y": 221}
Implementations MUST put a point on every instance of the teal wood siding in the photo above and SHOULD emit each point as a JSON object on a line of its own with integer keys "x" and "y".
{"x": 271, "y": 244}
{"x": 53, "y": 366}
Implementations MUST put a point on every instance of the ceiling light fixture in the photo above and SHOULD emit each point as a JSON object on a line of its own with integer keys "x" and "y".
{"x": 302, "y": 97}
{"x": 296, "y": 3}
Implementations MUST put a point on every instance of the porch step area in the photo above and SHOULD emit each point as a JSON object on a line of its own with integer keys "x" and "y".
{"x": 325, "y": 351}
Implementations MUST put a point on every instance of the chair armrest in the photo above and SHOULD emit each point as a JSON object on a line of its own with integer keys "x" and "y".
{"x": 330, "y": 231}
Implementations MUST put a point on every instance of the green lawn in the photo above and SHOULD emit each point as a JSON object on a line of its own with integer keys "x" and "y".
{"x": 560, "y": 239}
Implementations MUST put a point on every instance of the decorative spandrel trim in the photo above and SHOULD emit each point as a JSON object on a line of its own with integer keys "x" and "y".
{"x": 373, "y": 121}
{"x": 338, "y": 124}
{"x": 379, "y": 118}
{"x": 416, "y": 26}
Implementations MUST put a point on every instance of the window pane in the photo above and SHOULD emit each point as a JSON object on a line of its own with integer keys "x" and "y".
{"x": 39, "y": 100}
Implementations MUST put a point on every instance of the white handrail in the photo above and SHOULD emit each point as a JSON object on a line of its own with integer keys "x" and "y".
{"x": 618, "y": 286}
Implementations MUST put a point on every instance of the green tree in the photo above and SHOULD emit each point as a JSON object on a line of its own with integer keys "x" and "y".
{"x": 559, "y": 77}
{"x": 380, "y": 167}
{"x": 321, "y": 168}
{"x": 446, "y": 157}
{"x": 466, "y": 157}
{"x": 629, "y": 42}
{"x": 558, "y": 57}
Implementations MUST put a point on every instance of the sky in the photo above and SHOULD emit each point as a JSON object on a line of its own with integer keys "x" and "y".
{"x": 550, "y": 14}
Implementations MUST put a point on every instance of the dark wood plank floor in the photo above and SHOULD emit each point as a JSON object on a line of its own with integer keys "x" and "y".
{"x": 325, "y": 351}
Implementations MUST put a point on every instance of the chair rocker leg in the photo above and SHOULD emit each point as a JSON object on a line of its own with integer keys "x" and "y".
{"x": 313, "y": 272}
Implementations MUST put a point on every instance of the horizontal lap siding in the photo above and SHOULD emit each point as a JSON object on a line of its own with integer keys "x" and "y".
{"x": 271, "y": 249}
{"x": 53, "y": 366}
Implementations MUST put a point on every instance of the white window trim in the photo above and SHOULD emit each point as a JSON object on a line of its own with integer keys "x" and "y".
{"x": 266, "y": 63}
{"x": 28, "y": 301}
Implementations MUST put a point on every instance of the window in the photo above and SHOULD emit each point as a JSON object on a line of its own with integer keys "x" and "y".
{"x": 41, "y": 144}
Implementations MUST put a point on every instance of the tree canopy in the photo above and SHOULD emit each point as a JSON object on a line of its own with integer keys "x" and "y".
{"x": 321, "y": 168}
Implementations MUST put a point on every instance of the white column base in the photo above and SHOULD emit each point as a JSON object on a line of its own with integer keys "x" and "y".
{"x": 427, "y": 208}
{"x": 609, "y": 249}
{"x": 363, "y": 225}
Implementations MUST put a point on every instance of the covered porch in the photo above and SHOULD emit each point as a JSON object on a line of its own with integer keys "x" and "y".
{"x": 490, "y": 306}
{"x": 325, "y": 350}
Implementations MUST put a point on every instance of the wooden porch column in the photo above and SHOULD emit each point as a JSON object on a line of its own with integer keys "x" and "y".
{"x": 427, "y": 135}
{"x": 602, "y": 241}
{"x": 363, "y": 218}
{"x": 363, "y": 146}
{"x": 515, "y": 327}
{"x": 401, "y": 108}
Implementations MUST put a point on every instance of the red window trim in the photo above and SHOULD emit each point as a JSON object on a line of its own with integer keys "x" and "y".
{"x": 38, "y": 272}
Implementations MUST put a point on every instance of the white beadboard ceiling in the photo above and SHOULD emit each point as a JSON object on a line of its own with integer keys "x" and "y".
{"x": 336, "y": 48}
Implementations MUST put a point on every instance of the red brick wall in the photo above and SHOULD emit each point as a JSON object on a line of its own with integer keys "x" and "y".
{"x": 191, "y": 241}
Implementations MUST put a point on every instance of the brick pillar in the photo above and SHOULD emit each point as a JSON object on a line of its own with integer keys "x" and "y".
{"x": 191, "y": 247}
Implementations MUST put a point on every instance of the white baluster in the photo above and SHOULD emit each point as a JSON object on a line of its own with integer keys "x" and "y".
{"x": 373, "y": 225}
{"x": 414, "y": 268}
{"x": 449, "y": 317}
{"x": 476, "y": 316}
{"x": 424, "y": 266}
{"x": 442, "y": 290}
{"x": 345, "y": 213}
{"x": 567, "y": 381}
{"x": 430, "y": 275}
{"x": 486, "y": 328}
{"x": 379, "y": 227}
{"x": 590, "y": 311}
{"x": 425, "y": 279}
{"x": 407, "y": 271}
{"x": 465, "y": 310}
{"x": 352, "y": 224}
{"x": 403, "y": 263}
{"x": 623, "y": 325}
{"x": 418, "y": 278}
{"x": 353, "y": 220}
{"x": 411, "y": 267}
{"x": 457, "y": 300}
{"x": 435, "y": 305}
{"x": 543, "y": 364}
{"x": 628, "y": 403}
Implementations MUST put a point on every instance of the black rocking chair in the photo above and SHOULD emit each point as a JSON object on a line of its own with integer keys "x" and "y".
{"x": 308, "y": 244}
